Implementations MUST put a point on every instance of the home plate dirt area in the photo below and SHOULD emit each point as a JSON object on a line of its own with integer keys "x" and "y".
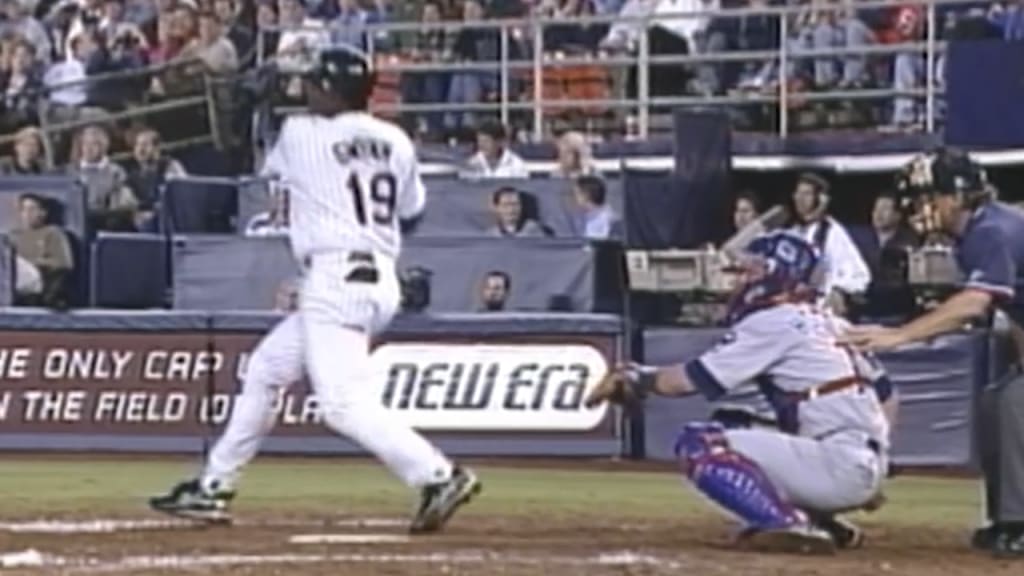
{"x": 574, "y": 526}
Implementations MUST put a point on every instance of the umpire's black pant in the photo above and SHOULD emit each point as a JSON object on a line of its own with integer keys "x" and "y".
{"x": 1001, "y": 436}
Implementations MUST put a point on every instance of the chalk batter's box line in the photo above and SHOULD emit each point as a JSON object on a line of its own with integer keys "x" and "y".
{"x": 94, "y": 565}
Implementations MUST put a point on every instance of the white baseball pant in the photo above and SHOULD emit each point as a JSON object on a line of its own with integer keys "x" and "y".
{"x": 836, "y": 474}
{"x": 328, "y": 339}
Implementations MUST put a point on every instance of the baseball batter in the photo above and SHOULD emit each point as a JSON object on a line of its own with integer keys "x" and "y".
{"x": 828, "y": 453}
{"x": 353, "y": 179}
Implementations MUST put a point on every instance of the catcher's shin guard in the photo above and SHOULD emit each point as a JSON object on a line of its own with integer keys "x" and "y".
{"x": 732, "y": 480}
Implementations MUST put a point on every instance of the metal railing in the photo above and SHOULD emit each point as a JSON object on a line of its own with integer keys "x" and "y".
{"x": 535, "y": 66}
{"x": 57, "y": 128}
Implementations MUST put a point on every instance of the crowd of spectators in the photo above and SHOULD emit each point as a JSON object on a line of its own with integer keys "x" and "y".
{"x": 69, "y": 59}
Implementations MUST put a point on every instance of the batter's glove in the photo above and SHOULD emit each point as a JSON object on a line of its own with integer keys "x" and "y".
{"x": 623, "y": 385}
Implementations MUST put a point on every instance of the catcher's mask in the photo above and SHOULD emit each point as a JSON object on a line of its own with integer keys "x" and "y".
{"x": 775, "y": 268}
{"x": 934, "y": 187}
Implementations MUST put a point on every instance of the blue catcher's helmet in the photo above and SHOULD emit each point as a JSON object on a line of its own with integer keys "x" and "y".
{"x": 775, "y": 264}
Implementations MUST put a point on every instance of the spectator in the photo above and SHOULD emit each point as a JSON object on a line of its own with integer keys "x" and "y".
{"x": 66, "y": 79}
{"x": 299, "y": 31}
{"x": 20, "y": 86}
{"x": 906, "y": 25}
{"x": 746, "y": 210}
{"x": 266, "y": 23}
{"x": 493, "y": 159}
{"x": 348, "y": 26}
{"x": 564, "y": 37}
{"x": 846, "y": 274}
{"x": 111, "y": 203}
{"x": 598, "y": 220}
{"x": 494, "y": 291}
{"x": 44, "y": 256}
{"x": 1010, "y": 21}
{"x": 885, "y": 249}
{"x": 575, "y": 156}
{"x": 20, "y": 21}
{"x": 472, "y": 46}
{"x": 856, "y": 35}
{"x": 28, "y": 153}
{"x": 507, "y": 204}
{"x": 237, "y": 33}
{"x": 84, "y": 15}
{"x": 273, "y": 222}
{"x": 212, "y": 47}
{"x": 428, "y": 87}
{"x": 146, "y": 172}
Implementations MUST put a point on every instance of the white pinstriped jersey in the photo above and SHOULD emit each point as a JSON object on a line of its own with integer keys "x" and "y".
{"x": 350, "y": 179}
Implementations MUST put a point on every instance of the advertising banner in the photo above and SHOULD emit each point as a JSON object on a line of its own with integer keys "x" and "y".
{"x": 184, "y": 384}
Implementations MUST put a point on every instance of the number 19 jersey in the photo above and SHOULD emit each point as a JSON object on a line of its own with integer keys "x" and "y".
{"x": 350, "y": 178}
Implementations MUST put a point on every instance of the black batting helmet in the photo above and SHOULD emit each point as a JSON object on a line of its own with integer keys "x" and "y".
{"x": 337, "y": 69}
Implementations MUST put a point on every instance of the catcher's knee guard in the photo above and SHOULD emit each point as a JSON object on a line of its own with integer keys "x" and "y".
{"x": 730, "y": 479}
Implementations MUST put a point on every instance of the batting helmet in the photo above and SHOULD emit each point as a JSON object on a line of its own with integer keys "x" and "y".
{"x": 337, "y": 69}
{"x": 776, "y": 264}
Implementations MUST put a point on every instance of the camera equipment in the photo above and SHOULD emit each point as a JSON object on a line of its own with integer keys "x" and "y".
{"x": 415, "y": 283}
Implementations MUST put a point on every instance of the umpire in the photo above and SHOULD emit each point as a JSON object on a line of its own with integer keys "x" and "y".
{"x": 951, "y": 197}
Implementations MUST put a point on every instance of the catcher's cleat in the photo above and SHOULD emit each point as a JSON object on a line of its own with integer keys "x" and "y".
{"x": 798, "y": 539}
{"x": 845, "y": 534}
{"x": 190, "y": 500}
{"x": 438, "y": 502}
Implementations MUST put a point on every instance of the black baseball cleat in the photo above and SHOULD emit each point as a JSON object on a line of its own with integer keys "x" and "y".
{"x": 985, "y": 538}
{"x": 798, "y": 539}
{"x": 438, "y": 502}
{"x": 190, "y": 500}
{"x": 1009, "y": 544}
{"x": 846, "y": 534}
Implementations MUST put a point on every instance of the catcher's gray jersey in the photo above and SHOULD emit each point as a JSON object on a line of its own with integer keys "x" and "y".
{"x": 792, "y": 348}
{"x": 835, "y": 459}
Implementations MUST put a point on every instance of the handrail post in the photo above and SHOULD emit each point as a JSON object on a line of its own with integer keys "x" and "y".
{"x": 930, "y": 71}
{"x": 538, "y": 79}
{"x": 504, "y": 97}
{"x": 44, "y": 109}
{"x": 783, "y": 75}
{"x": 643, "y": 80}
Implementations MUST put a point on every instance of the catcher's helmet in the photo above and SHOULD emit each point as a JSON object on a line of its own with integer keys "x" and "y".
{"x": 775, "y": 264}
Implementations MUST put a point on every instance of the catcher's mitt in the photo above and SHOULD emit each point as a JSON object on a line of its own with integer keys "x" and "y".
{"x": 622, "y": 385}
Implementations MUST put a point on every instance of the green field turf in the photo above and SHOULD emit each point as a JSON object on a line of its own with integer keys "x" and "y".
{"x": 35, "y": 488}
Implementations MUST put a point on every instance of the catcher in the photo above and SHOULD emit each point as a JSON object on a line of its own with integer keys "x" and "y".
{"x": 826, "y": 452}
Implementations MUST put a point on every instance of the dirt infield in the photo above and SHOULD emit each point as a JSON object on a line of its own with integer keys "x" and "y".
{"x": 86, "y": 515}
{"x": 497, "y": 546}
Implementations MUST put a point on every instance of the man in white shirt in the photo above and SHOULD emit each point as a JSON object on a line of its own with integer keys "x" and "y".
{"x": 493, "y": 159}
{"x": 846, "y": 273}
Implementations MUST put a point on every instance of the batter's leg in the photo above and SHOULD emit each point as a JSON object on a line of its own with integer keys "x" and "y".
{"x": 276, "y": 363}
{"x": 339, "y": 367}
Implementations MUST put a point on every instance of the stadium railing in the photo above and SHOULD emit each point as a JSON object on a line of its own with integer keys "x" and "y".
{"x": 540, "y": 65}
{"x": 185, "y": 117}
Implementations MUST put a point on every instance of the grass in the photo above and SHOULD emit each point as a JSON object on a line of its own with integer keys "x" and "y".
{"x": 33, "y": 487}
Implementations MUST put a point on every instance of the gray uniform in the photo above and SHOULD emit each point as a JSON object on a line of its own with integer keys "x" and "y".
{"x": 832, "y": 452}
